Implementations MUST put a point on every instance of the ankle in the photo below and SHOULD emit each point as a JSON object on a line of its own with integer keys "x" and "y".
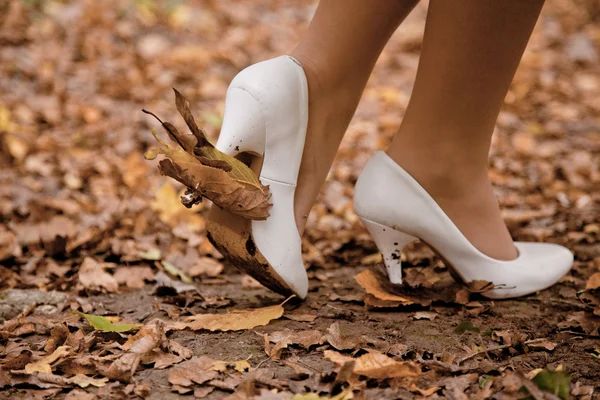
{"x": 443, "y": 175}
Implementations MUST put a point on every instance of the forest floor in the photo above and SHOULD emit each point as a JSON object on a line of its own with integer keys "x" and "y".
{"x": 88, "y": 225}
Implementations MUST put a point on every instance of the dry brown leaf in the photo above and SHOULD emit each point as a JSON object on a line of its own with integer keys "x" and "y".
{"x": 302, "y": 317}
{"x": 283, "y": 339}
{"x": 369, "y": 281}
{"x": 143, "y": 342}
{"x": 541, "y": 344}
{"x": 207, "y": 172}
{"x": 376, "y": 365}
{"x": 93, "y": 275}
{"x": 133, "y": 277}
{"x": 340, "y": 339}
{"x": 205, "y": 266}
{"x": 462, "y": 296}
{"x": 43, "y": 365}
{"x": 85, "y": 381}
{"x": 195, "y": 370}
{"x": 593, "y": 282}
{"x": 236, "y": 320}
{"x": 480, "y": 286}
{"x": 9, "y": 245}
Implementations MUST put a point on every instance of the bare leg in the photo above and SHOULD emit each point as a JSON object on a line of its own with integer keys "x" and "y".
{"x": 338, "y": 53}
{"x": 470, "y": 52}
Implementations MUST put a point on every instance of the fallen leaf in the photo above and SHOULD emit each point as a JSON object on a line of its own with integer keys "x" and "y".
{"x": 103, "y": 324}
{"x": 480, "y": 286}
{"x": 134, "y": 277}
{"x": 376, "y": 365}
{"x": 85, "y": 381}
{"x": 148, "y": 338}
{"x": 542, "y": 344}
{"x": 593, "y": 282}
{"x": 93, "y": 275}
{"x": 197, "y": 370}
{"x": 207, "y": 172}
{"x": 206, "y": 266}
{"x": 369, "y": 281}
{"x": 233, "y": 321}
{"x": 43, "y": 365}
{"x": 340, "y": 339}
{"x": 283, "y": 339}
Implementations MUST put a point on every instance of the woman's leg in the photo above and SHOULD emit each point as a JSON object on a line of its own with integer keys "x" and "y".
{"x": 470, "y": 52}
{"x": 338, "y": 53}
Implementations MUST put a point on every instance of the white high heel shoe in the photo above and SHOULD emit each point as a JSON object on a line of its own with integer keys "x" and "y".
{"x": 266, "y": 115}
{"x": 396, "y": 210}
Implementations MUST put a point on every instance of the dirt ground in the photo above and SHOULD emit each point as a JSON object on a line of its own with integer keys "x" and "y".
{"x": 89, "y": 225}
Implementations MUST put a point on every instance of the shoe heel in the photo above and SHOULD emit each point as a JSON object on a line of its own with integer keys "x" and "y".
{"x": 243, "y": 129}
{"x": 390, "y": 243}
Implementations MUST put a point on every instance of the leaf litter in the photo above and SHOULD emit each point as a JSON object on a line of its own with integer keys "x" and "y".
{"x": 88, "y": 225}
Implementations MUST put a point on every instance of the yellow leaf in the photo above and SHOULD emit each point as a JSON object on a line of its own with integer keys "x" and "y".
{"x": 373, "y": 286}
{"x": 234, "y": 321}
{"x": 170, "y": 211}
{"x": 43, "y": 365}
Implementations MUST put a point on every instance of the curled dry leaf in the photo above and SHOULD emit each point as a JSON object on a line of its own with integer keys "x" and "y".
{"x": 541, "y": 344}
{"x": 43, "y": 365}
{"x": 233, "y": 321}
{"x": 197, "y": 370}
{"x": 147, "y": 339}
{"x": 134, "y": 277}
{"x": 373, "y": 286}
{"x": 480, "y": 286}
{"x": 240, "y": 366}
{"x": 342, "y": 340}
{"x": 207, "y": 172}
{"x": 376, "y": 365}
{"x": 283, "y": 339}
{"x": 93, "y": 275}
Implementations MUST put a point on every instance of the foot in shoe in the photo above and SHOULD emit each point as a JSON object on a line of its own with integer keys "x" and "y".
{"x": 267, "y": 112}
{"x": 467, "y": 197}
{"x": 397, "y": 210}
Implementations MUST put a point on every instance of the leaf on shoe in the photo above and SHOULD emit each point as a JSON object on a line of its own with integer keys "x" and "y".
{"x": 207, "y": 172}
{"x": 480, "y": 286}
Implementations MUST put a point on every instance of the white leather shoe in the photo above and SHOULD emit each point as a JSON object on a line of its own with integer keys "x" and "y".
{"x": 396, "y": 210}
{"x": 266, "y": 115}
